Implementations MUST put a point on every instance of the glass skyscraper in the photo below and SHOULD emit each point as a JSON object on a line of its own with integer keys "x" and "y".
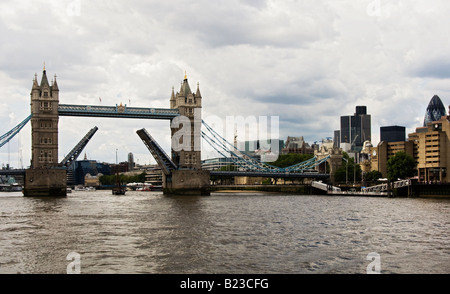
{"x": 435, "y": 110}
{"x": 356, "y": 129}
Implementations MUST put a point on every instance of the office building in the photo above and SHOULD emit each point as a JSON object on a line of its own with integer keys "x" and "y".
{"x": 79, "y": 170}
{"x": 355, "y": 130}
{"x": 216, "y": 163}
{"x": 429, "y": 146}
{"x": 392, "y": 134}
{"x": 432, "y": 150}
{"x": 435, "y": 110}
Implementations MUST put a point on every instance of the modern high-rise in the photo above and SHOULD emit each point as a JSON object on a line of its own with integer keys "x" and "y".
{"x": 435, "y": 110}
{"x": 393, "y": 134}
{"x": 355, "y": 129}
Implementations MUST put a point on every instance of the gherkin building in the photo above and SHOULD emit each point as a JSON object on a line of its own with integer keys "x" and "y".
{"x": 435, "y": 110}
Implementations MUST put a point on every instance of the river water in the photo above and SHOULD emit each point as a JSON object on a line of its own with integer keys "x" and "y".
{"x": 225, "y": 233}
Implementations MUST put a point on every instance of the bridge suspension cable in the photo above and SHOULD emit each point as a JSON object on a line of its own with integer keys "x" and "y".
{"x": 247, "y": 162}
{"x": 9, "y": 135}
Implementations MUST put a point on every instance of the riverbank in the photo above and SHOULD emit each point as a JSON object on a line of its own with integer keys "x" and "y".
{"x": 416, "y": 190}
{"x": 289, "y": 189}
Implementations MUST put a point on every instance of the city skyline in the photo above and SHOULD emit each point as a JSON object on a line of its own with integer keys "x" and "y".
{"x": 309, "y": 64}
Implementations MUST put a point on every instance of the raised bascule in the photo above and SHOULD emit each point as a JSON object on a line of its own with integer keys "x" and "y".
{"x": 182, "y": 169}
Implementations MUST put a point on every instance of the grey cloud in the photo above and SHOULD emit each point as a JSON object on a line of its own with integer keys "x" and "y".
{"x": 437, "y": 68}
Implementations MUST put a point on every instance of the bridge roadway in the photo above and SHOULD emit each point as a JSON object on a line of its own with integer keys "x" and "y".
{"x": 12, "y": 172}
{"x": 117, "y": 111}
{"x": 270, "y": 174}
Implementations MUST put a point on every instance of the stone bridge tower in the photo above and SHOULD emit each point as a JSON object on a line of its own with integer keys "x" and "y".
{"x": 45, "y": 178}
{"x": 44, "y": 123}
{"x": 186, "y": 129}
{"x": 189, "y": 178}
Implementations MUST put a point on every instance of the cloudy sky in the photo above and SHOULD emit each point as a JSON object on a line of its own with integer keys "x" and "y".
{"x": 306, "y": 62}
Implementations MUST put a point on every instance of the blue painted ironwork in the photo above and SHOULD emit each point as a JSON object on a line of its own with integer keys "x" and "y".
{"x": 76, "y": 151}
{"x": 246, "y": 163}
{"x": 309, "y": 175}
{"x": 117, "y": 111}
{"x": 161, "y": 157}
{"x": 9, "y": 135}
{"x": 12, "y": 172}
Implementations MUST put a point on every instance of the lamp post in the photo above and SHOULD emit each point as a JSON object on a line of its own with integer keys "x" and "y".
{"x": 346, "y": 170}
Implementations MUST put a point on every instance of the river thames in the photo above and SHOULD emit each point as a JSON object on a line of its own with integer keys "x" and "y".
{"x": 225, "y": 233}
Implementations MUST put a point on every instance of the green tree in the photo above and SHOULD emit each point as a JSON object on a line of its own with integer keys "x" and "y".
{"x": 285, "y": 160}
{"x": 401, "y": 166}
{"x": 349, "y": 171}
{"x": 373, "y": 176}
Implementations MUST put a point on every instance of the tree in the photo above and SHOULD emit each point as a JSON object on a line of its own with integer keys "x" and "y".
{"x": 285, "y": 160}
{"x": 373, "y": 176}
{"x": 347, "y": 171}
{"x": 401, "y": 166}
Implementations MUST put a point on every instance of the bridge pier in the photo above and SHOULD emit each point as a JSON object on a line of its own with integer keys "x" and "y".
{"x": 187, "y": 182}
{"x": 45, "y": 183}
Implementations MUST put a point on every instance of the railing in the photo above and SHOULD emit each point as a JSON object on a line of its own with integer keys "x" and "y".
{"x": 270, "y": 174}
{"x": 384, "y": 187}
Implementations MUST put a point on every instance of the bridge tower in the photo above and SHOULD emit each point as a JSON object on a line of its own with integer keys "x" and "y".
{"x": 44, "y": 178}
{"x": 186, "y": 142}
{"x": 334, "y": 161}
{"x": 189, "y": 178}
{"x": 44, "y": 123}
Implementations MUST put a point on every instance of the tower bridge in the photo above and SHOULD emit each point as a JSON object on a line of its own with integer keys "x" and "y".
{"x": 182, "y": 170}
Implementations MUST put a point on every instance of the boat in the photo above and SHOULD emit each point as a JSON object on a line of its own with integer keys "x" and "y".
{"x": 82, "y": 188}
{"x": 10, "y": 188}
{"x": 149, "y": 187}
{"x": 118, "y": 189}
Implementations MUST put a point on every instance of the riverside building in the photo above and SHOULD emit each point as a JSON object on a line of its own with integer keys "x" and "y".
{"x": 428, "y": 145}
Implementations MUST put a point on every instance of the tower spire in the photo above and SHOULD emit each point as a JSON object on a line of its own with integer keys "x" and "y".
{"x": 198, "y": 95}
{"x": 35, "y": 83}
{"x": 55, "y": 85}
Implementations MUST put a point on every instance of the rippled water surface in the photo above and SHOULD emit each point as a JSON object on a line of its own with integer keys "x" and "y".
{"x": 146, "y": 232}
